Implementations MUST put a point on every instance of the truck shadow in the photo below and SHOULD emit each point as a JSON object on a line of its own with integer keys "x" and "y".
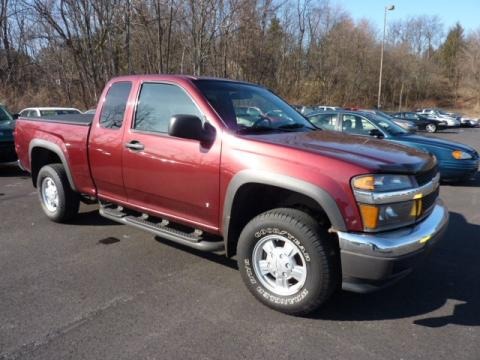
{"x": 219, "y": 257}
{"x": 449, "y": 276}
{"x": 91, "y": 218}
{"x": 12, "y": 170}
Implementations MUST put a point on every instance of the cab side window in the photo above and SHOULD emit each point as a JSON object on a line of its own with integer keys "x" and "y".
{"x": 358, "y": 125}
{"x": 113, "y": 109}
{"x": 157, "y": 103}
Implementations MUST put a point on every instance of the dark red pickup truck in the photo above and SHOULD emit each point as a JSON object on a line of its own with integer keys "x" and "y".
{"x": 221, "y": 165}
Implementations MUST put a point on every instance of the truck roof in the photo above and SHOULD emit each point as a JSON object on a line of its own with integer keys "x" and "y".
{"x": 174, "y": 77}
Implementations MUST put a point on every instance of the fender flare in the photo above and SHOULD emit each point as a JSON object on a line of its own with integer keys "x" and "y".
{"x": 322, "y": 197}
{"x": 44, "y": 144}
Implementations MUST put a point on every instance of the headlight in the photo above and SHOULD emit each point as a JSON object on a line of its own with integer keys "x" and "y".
{"x": 388, "y": 201}
{"x": 461, "y": 155}
{"x": 382, "y": 183}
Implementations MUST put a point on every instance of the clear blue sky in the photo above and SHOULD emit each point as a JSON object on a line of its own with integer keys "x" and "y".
{"x": 467, "y": 12}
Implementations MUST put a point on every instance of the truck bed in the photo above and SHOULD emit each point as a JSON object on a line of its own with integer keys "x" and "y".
{"x": 73, "y": 119}
{"x": 69, "y": 133}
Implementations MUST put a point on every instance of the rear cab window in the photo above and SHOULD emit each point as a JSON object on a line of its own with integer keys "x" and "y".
{"x": 113, "y": 110}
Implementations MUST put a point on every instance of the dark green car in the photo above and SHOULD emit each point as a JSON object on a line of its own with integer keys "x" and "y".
{"x": 7, "y": 144}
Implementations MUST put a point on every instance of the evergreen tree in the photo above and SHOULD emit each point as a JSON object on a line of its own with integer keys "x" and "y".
{"x": 451, "y": 53}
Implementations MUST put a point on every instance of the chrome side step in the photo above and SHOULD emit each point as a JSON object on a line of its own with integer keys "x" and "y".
{"x": 194, "y": 239}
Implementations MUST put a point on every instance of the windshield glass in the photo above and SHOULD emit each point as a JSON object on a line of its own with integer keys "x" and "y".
{"x": 387, "y": 125}
{"x": 5, "y": 115}
{"x": 250, "y": 108}
{"x": 383, "y": 114}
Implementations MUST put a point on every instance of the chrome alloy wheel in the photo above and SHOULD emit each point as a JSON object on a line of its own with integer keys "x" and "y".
{"x": 49, "y": 194}
{"x": 279, "y": 265}
{"x": 431, "y": 128}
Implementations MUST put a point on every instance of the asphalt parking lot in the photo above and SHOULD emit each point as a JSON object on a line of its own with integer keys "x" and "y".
{"x": 93, "y": 289}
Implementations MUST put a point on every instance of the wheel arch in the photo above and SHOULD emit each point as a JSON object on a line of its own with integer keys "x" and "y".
{"x": 305, "y": 192}
{"x": 42, "y": 152}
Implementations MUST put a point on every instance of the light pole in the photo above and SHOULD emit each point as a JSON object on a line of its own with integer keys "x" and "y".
{"x": 387, "y": 8}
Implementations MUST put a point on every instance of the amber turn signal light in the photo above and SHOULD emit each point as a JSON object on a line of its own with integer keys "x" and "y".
{"x": 369, "y": 215}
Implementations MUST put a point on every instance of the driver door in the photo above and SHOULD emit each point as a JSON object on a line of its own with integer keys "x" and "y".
{"x": 173, "y": 177}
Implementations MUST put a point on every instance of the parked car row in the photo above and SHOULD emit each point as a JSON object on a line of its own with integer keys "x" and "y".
{"x": 427, "y": 119}
{"x": 457, "y": 161}
{"x": 437, "y": 114}
{"x": 422, "y": 122}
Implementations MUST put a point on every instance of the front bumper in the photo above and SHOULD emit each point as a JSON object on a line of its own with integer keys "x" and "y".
{"x": 372, "y": 261}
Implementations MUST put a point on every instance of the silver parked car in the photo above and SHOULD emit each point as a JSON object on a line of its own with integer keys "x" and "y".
{"x": 437, "y": 114}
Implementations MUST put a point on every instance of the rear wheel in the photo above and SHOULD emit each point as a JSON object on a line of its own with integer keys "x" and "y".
{"x": 59, "y": 202}
{"x": 431, "y": 128}
{"x": 288, "y": 261}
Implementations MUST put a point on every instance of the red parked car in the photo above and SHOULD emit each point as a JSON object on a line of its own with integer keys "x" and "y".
{"x": 305, "y": 211}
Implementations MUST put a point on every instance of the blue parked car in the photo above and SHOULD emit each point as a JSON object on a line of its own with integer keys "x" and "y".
{"x": 456, "y": 162}
{"x": 7, "y": 145}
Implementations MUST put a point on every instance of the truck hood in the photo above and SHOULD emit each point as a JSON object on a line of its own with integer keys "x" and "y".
{"x": 430, "y": 141}
{"x": 369, "y": 153}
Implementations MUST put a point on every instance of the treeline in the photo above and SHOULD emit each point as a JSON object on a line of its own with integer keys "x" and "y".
{"x": 61, "y": 52}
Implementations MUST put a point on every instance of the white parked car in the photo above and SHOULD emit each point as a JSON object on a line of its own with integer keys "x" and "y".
{"x": 47, "y": 111}
{"x": 327, "y": 108}
{"x": 437, "y": 114}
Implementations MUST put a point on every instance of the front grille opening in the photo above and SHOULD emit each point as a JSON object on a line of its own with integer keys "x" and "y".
{"x": 426, "y": 176}
{"x": 428, "y": 202}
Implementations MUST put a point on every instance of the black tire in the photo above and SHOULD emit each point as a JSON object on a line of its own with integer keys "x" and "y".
{"x": 319, "y": 250}
{"x": 68, "y": 200}
{"x": 431, "y": 128}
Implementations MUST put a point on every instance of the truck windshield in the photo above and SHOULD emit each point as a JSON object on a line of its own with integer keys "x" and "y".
{"x": 250, "y": 108}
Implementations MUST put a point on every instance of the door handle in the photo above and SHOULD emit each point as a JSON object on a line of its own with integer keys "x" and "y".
{"x": 135, "y": 145}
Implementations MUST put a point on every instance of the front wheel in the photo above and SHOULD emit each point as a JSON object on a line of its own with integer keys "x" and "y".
{"x": 59, "y": 202}
{"x": 288, "y": 261}
{"x": 431, "y": 128}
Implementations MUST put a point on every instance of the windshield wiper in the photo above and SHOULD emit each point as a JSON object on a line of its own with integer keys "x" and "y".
{"x": 282, "y": 128}
{"x": 257, "y": 129}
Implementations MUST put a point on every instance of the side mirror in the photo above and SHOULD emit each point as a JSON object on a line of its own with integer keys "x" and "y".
{"x": 191, "y": 127}
{"x": 376, "y": 133}
{"x": 15, "y": 116}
